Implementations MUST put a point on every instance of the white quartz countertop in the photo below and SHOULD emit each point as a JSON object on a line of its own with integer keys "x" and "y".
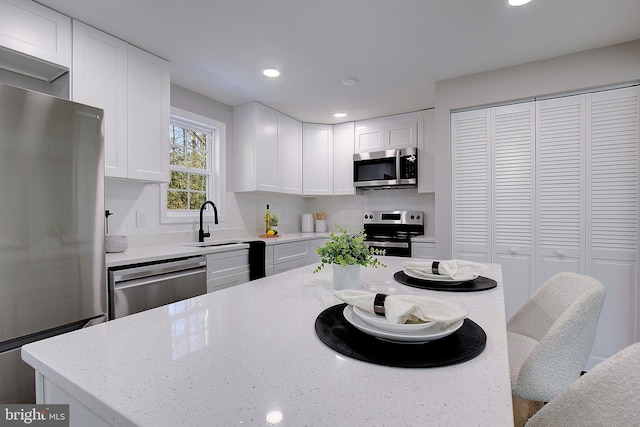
{"x": 150, "y": 253}
{"x": 241, "y": 355}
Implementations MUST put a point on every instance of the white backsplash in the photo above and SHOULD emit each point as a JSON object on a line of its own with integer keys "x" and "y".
{"x": 244, "y": 212}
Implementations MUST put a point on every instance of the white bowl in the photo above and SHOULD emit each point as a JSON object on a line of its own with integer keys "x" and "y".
{"x": 113, "y": 244}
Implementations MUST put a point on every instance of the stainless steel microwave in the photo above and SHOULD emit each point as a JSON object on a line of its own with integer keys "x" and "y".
{"x": 386, "y": 169}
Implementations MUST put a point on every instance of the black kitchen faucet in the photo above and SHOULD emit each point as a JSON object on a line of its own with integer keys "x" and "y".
{"x": 201, "y": 232}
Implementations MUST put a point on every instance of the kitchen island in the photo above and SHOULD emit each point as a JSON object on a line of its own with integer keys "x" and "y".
{"x": 250, "y": 355}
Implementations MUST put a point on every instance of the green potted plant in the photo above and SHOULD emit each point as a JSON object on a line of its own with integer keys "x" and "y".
{"x": 346, "y": 253}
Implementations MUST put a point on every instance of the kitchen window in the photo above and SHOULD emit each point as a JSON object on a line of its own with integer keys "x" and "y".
{"x": 196, "y": 161}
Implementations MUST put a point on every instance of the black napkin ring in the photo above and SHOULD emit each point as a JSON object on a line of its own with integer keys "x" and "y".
{"x": 434, "y": 267}
{"x": 378, "y": 304}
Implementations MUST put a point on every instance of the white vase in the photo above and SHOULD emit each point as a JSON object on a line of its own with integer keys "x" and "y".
{"x": 346, "y": 277}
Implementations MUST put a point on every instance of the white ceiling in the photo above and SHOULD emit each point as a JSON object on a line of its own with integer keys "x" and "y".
{"x": 397, "y": 49}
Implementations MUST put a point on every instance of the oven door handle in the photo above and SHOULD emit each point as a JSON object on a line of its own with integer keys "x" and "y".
{"x": 388, "y": 244}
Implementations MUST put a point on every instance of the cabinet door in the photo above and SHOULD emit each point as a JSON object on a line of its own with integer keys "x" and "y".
{"x": 368, "y": 136}
{"x": 423, "y": 250}
{"x": 100, "y": 79}
{"x": 266, "y": 148}
{"x": 513, "y": 168}
{"x": 612, "y": 217}
{"x": 313, "y": 249}
{"x": 560, "y": 183}
{"x": 148, "y": 110}
{"x": 426, "y": 153}
{"x": 37, "y": 31}
{"x": 317, "y": 153}
{"x": 471, "y": 185}
{"x": 290, "y": 134}
{"x": 286, "y": 252}
{"x": 343, "y": 140}
{"x": 401, "y": 135}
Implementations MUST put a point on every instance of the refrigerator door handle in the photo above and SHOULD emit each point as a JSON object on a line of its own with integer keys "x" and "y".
{"x": 18, "y": 342}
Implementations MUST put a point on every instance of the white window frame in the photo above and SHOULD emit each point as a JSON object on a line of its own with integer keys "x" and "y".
{"x": 217, "y": 171}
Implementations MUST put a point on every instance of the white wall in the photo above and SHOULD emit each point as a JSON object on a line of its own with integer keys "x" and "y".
{"x": 593, "y": 68}
{"x": 244, "y": 211}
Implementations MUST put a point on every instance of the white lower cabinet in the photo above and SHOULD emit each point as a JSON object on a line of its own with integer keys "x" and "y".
{"x": 282, "y": 257}
{"x": 268, "y": 261}
{"x": 288, "y": 256}
{"x": 313, "y": 249}
{"x": 225, "y": 269}
{"x": 48, "y": 393}
{"x": 423, "y": 250}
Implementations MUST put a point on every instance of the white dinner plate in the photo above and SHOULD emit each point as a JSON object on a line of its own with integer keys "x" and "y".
{"x": 381, "y": 322}
{"x": 435, "y": 277}
{"x": 416, "y": 337}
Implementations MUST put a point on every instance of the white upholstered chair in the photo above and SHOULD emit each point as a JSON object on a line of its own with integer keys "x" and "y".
{"x": 551, "y": 336}
{"x": 607, "y": 395}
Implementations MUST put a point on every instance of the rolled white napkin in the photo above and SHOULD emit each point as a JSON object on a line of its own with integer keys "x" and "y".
{"x": 405, "y": 308}
{"x": 454, "y": 268}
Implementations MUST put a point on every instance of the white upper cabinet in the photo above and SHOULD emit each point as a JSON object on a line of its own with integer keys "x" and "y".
{"x": 149, "y": 108}
{"x": 100, "y": 79}
{"x": 385, "y": 133}
{"x": 343, "y": 141}
{"x": 290, "y": 137}
{"x": 38, "y": 32}
{"x": 426, "y": 152}
{"x": 267, "y": 150}
{"x": 368, "y": 136}
{"x": 317, "y": 155}
{"x": 132, "y": 87}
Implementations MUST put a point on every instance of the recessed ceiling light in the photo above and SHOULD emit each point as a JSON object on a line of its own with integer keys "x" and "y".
{"x": 351, "y": 81}
{"x": 272, "y": 72}
{"x": 340, "y": 115}
{"x": 518, "y": 2}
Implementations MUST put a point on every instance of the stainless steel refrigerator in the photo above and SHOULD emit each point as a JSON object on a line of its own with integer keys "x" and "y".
{"x": 52, "y": 265}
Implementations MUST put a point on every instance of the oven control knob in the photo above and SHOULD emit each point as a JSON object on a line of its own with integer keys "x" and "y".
{"x": 413, "y": 217}
{"x": 418, "y": 217}
{"x": 366, "y": 217}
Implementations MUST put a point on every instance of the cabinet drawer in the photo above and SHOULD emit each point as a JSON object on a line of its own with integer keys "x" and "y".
{"x": 291, "y": 251}
{"x": 223, "y": 282}
{"x": 290, "y": 265}
{"x": 227, "y": 263}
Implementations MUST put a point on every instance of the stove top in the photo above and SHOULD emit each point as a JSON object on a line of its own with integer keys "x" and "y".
{"x": 393, "y": 230}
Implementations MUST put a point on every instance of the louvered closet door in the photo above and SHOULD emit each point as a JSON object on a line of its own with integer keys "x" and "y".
{"x": 513, "y": 154}
{"x": 560, "y": 185}
{"x": 612, "y": 235}
{"x": 471, "y": 183}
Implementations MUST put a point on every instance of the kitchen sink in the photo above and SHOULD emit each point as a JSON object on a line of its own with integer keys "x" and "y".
{"x": 212, "y": 244}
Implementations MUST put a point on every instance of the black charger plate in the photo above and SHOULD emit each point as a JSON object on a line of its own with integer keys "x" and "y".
{"x": 334, "y": 330}
{"x": 480, "y": 283}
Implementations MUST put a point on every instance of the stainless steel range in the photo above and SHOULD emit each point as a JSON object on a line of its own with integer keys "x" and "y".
{"x": 393, "y": 230}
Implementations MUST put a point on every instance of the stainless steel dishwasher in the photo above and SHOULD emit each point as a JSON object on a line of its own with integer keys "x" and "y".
{"x": 139, "y": 287}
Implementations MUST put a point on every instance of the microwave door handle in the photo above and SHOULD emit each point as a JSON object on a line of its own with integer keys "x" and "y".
{"x": 398, "y": 157}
